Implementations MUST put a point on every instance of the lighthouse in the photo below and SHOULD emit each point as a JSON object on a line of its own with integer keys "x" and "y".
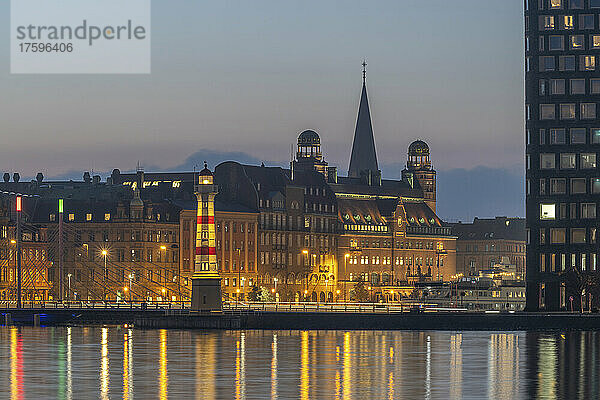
{"x": 206, "y": 282}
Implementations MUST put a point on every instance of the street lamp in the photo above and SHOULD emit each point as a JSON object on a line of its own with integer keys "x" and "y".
{"x": 130, "y": 278}
{"x": 104, "y": 254}
{"x": 346, "y": 256}
{"x": 69, "y": 293}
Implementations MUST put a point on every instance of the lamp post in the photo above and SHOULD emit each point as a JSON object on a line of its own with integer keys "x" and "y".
{"x": 19, "y": 207}
{"x": 69, "y": 292}
{"x": 305, "y": 252}
{"x": 104, "y": 254}
{"x": 130, "y": 278}
{"x": 239, "y": 268}
{"x": 346, "y": 256}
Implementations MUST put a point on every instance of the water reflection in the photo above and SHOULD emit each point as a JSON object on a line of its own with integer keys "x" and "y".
{"x": 64, "y": 363}
{"x": 163, "y": 380}
{"x": 128, "y": 365}
{"x": 274, "y": 367}
{"x": 104, "y": 371}
{"x": 16, "y": 365}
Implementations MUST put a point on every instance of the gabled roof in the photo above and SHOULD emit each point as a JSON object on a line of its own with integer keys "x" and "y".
{"x": 499, "y": 228}
{"x": 419, "y": 214}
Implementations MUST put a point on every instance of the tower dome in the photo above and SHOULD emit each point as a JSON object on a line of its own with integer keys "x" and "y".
{"x": 418, "y": 155}
{"x": 418, "y": 148}
{"x": 309, "y": 138}
{"x": 309, "y": 145}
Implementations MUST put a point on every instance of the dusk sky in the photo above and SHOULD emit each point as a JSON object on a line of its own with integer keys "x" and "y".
{"x": 248, "y": 76}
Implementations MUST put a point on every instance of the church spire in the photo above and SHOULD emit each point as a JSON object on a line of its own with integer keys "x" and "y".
{"x": 364, "y": 156}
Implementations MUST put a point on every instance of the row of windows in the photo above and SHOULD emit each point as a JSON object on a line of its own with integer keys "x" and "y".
{"x": 234, "y": 282}
{"x": 553, "y": 262}
{"x": 565, "y": 63}
{"x": 562, "y": 4}
{"x": 576, "y": 86}
{"x": 233, "y": 226}
{"x": 578, "y": 186}
{"x": 559, "y": 136}
{"x": 575, "y": 236}
{"x": 573, "y": 42}
{"x": 567, "y": 22}
{"x": 552, "y": 211}
{"x": 573, "y": 211}
{"x": 565, "y": 161}
{"x": 566, "y": 111}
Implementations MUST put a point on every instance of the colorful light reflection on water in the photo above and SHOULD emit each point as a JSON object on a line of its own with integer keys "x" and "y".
{"x": 117, "y": 362}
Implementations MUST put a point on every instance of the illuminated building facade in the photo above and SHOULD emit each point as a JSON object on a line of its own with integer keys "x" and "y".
{"x": 485, "y": 242}
{"x": 562, "y": 40}
{"x": 299, "y": 233}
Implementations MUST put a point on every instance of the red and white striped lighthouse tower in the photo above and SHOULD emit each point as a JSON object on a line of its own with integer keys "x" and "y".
{"x": 206, "y": 282}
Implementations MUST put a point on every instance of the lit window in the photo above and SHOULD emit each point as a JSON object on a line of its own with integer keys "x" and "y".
{"x": 567, "y": 111}
{"x": 547, "y": 111}
{"x": 555, "y": 4}
{"x": 88, "y": 217}
{"x": 567, "y": 22}
{"x": 587, "y": 63}
{"x": 588, "y": 110}
{"x": 547, "y": 22}
{"x": 547, "y": 161}
{"x": 71, "y": 217}
{"x": 577, "y": 135}
{"x": 567, "y": 161}
{"x": 595, "y": 41}
{"x": 577, "y": 86}
{"x": 547, "y": 211}
{"x": 52, "y": 217}
{"x": 576, "y": 42}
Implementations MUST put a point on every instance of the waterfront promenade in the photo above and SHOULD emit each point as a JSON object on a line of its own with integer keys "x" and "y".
{"x": 297, "y": 316}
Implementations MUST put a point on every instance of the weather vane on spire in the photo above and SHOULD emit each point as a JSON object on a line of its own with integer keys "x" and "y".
{"x": 364, "y": 64}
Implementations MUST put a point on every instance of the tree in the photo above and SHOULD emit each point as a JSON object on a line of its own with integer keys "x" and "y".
{"x": 578, "y": 284}
{"x": 359, "y": 293}
{"x": 260, "y": 293}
